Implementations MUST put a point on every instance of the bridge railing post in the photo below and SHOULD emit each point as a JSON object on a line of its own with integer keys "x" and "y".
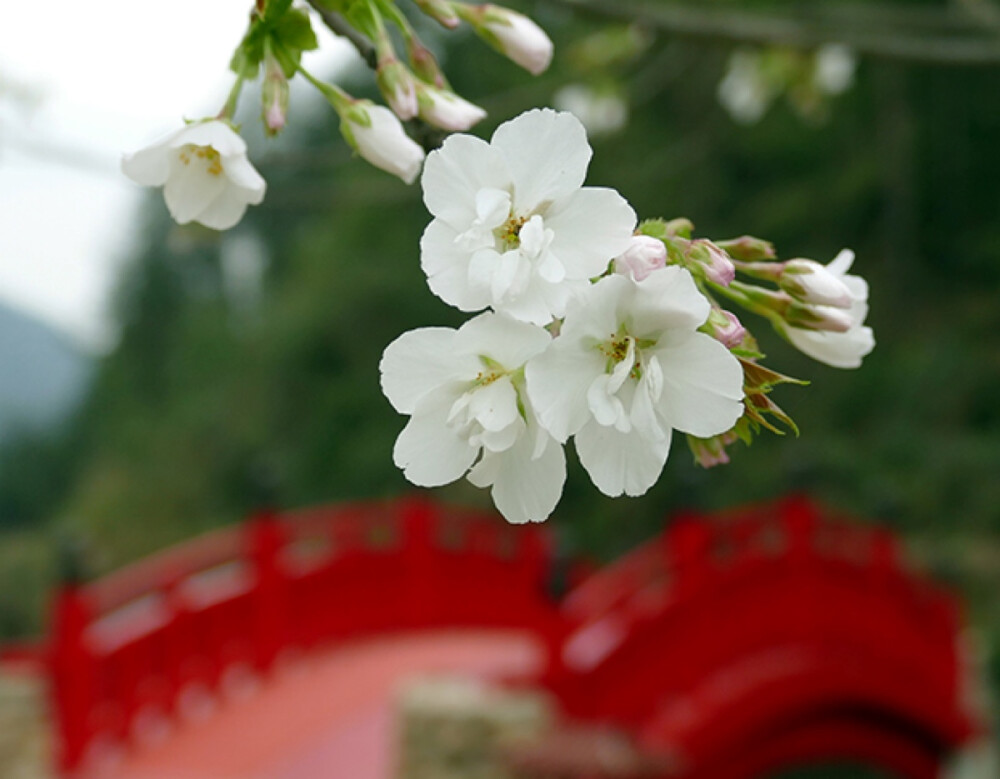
{"x": 266, "y": 542}
{"x": 72, "y": 675}
{"x": 419, "y": 525}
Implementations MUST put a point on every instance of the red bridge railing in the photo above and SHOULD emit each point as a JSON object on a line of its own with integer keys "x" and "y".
{"x": 140, "y": 646}
{"x": 734, "y": 645}
{"x": 748, "y": 642}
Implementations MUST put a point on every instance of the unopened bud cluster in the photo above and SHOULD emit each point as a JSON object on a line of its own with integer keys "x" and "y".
{"x": 413, "y": 85}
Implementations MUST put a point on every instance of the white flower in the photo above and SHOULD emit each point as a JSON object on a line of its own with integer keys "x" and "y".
{"x": 517, "y": 37}
{"x": 628, "y": 368}
{"x": 514, "y": 229}
{"x": 840, "y": 349}
{"x": 835, "y": 65}
{"x": 204, "y": 172}
{"x": 602, "y": 112}
{"x": 643, "y": 255}
{"x": 744, "y": 91}
{"x": 464, "y": 390}
{"x": 383, "y": 141}
{"x": 446, "y": 109}
{"x": 809, "y": 282}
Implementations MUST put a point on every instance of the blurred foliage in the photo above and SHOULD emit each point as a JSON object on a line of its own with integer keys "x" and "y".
{"x": 223, "y": 393}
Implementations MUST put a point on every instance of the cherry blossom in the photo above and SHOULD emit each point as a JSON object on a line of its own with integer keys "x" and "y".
{"x": 844, "y": 349}
{"x": 514, "y": 228}
{"x": 382, "y": 141}
{"x": 516, "y": 36}
{"x": 464, "y": 392}
{"x": 627, "y": 369}
{"x": 204, "y": 171}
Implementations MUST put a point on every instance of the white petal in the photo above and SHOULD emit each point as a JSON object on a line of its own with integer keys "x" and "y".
{"x": 245, "y": 176}
{"x": 150, "y": 166}
{"x": 702, "y": 384}
{"x": 838, "y": 350}
{"x": 840, "y": 264}
{"x": 593, "y": 312}
{"x": 547, "y": 154}
{"x": 524, "y": 489}
{"x": 642, "y": 413}
{"x": 225, "y": 211}
{"x": 502, "y": 339}
{"x": 428, "y": 451}
{"x": 217, "y": 134}
{"x": 420, "y": 362}
{"x": 592, "y": 227}
{"x": 551, "y": 269}
{"x": 668, "y": 299}
{"x": 447, "y": 267}
{"x": 494, "y": 405}
{"x": 504, "y": 280}
{"x": 602, "y": 402}
{"x": 455, "y": 173}
{"x": 557, "y": 384}
{"x": 190, "y": 189}
{"x": 619, "y": 462}
{"x": 538, "y": 302}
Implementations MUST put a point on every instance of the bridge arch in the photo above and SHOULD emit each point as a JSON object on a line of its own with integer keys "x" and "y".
{"x": 138, "y": 647}
{"x": 777, "y": 632}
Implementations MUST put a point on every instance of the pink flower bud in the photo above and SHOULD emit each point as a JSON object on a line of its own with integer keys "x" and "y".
{"x": 398, "y": 87}
{"x": 748, "y": 249}
{"x": 726, "y": 328}
{"x": 643, "y": 255}
{"x": 810, "y": 282}
{"x": 714, "y": 263}
{"x": 709, "y": 452}
{"x": 274, "y": 96}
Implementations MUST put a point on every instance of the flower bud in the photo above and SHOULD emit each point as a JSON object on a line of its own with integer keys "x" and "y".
{"x": 274, "y": 96}
{"x": 447, "y": 110}
{"x": 398, "y": 86}
{"x": 725, "y": 327}
{"x": 746, "y": 248}
{"x": 440, "y": 11}
{"x": 828, "y": 318}
{"x": 709, "y": 452}
{"x": 810, "y": 282}
{"x": 643, "y": 255}
{"x": 377, "y": 135}
{"x": 512, "y": 34}
{"x": 711, "y": 261}
{"x": 424, "y": 65}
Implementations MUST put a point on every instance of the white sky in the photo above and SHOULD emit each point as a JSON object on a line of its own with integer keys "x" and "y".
{"x": 106, "y": 76}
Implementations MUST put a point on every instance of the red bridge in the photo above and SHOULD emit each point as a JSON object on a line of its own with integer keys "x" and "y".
{"x": 729, "y": 647}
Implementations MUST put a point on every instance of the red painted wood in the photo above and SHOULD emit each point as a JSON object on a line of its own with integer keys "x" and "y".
{"x": 737, "y": 644}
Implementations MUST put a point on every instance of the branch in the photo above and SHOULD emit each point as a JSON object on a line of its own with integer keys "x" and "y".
{"x": 340, "y": 26}
{"x": 803, "y": 30}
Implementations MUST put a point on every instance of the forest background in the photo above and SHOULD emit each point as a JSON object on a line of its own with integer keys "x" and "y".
{"x": 246, "y": 372}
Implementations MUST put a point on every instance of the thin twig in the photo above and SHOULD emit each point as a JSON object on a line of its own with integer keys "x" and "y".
{"x": 798, "y": 30}
{"x": 340, "y": 26}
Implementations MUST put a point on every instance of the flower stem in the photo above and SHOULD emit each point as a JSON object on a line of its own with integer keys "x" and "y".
{"x": 229, "y": 109}
{"x": 336, "y": 96}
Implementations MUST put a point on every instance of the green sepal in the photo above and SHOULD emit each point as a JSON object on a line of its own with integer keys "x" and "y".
{"x": 286, "y": 31}
{"x": 655, "y": 228}
{"x": 757, "y": 377}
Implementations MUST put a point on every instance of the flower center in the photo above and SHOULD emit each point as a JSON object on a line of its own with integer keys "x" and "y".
{"x": 205, "y": 155}
{"x": 509, "y": 233}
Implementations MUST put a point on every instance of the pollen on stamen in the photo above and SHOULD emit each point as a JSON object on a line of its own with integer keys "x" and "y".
{"x": 509, "y": 232}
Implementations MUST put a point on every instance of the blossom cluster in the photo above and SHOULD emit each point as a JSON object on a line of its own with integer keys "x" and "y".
{"x": 203, "y": 167}
{"x": 593, "y": 328}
